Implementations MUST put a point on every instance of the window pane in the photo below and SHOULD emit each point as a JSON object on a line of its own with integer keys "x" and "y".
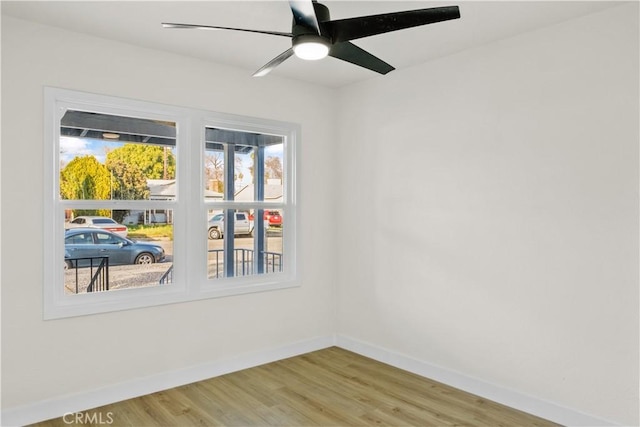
{"x": 274, "y": 173}
{"x": 104, "y": 255}
{"x": 243, "y": 256}
{"x": 238, "y": 257}
{"x": 222, "y": 259}
{"x": 215, "y": 253}
{"x": 107, "y": 157}
{"x": 244, "y": 162}
{"x": 243, "y": 247}
{"x": 214, "y": 173}
{"x": 239, "y": 157}
{"x": 273, "y": 249}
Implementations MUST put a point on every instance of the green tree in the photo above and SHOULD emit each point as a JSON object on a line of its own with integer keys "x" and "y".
{"x": 128, "y": 180}
{"x": 155, "y": 162}
{"x": 84, "y": 178}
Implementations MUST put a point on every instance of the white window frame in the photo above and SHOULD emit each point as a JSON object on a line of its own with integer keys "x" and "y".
{"x": 242, "y": 284}
{"x": 190, "y": 280}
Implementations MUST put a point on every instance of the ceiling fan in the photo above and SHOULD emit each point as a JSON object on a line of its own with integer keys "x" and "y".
{"x": 314, "y": 35}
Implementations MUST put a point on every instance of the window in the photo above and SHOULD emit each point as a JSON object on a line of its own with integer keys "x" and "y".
{"x": 122, "y": 213}
{"x": 245, "y": 181}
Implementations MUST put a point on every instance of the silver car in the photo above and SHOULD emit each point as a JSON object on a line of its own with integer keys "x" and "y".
{"x": 242, "y": 225}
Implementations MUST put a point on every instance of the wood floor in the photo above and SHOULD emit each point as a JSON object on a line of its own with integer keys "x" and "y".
{"x": 330, "y": 387}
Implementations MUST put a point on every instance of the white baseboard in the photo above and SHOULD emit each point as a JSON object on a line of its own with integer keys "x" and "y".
{"x": 57, "y": 407}
{"x": 532, "y": 405}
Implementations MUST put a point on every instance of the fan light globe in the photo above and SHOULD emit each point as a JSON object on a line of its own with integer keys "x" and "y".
{"x": 311, "y": 50}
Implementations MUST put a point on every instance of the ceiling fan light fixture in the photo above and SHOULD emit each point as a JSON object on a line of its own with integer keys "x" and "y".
{"x": 311, "y": 48}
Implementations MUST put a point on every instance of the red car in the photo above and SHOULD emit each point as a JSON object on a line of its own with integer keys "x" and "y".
{"x": 272, "y": 218}
{"x": 275, "y": 220}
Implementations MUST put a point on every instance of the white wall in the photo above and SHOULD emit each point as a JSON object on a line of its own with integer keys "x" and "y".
{"x": 43, "y": 360}
{"x": 490, "y": 210}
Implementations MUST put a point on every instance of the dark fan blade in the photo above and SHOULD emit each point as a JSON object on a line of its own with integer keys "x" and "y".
{"x": 304, "y": 14}
{"x": 211, "y": 27}
{"x": 354, "y": 28}
{"x": 274, "y": 63}
{"x": 351, "y": 53}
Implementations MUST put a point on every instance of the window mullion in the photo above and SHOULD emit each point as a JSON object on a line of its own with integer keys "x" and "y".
{"x": 229, "y": 222}
{"x": 259, "y": 235}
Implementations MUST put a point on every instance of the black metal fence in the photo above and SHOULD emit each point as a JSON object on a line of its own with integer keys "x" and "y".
{"x": 243, "y": 262}
{"x": 167, "y": 277}
{"x": 273, "y": 262}
{"x": 99, "y": 280}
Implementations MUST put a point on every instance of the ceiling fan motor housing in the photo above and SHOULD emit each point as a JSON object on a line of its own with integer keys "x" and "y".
{"x": 322, "y": 15}
{"x": 303, "y": 35}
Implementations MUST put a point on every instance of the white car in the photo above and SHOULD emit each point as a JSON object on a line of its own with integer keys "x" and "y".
{"x": 102, "y": 222}
{"x": 242, "y": 225}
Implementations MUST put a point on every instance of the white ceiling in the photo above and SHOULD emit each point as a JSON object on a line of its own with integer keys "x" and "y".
{"x": 138, "y": 23}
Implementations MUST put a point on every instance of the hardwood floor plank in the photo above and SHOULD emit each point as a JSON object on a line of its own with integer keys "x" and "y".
{"x": 256, "y": 384}
{"x": 380, "y": 391}
{"x": 225, "y": 406}
{"x": 204, "y": 406}
{"x": 409, "y": 390}
{"x": 329, "y": 387}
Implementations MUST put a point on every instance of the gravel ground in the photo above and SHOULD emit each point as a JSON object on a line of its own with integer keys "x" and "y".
{"x": 120, "y": 277}
{"x": 124, "y": 276}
